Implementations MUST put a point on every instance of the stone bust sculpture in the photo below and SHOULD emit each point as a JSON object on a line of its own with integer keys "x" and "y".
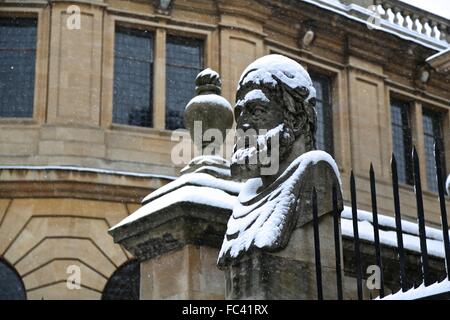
{"x": 275, "y": 96}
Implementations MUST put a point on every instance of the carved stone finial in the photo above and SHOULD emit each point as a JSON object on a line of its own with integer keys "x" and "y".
{"x": 208, "y": 81}
{"x": 208, "y": 110}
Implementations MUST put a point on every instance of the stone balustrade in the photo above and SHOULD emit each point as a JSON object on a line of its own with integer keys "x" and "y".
{"x": 414, "y": 19}
{"x": 395, "y": 17}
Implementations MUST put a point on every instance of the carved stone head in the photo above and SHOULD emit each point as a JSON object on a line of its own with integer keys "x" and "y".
{"x": 275, "y": 102}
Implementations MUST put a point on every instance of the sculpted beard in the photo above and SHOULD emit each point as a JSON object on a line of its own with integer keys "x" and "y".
{"x": 255, "y": 152}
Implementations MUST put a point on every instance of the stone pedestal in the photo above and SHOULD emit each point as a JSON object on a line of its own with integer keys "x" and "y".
{"x": 178, "y": 247}
{"x": 290, "y": 272}
{"x": 287, "y": 274}
{"x": 188, "y": 273}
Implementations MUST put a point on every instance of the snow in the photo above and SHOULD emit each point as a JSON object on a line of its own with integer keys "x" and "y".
{"x": 411, "y": 240}
{"x": 90, "y": 170}
{"x": 196, "y": 179}
{"x": 253, "y": 95}
{"x": 242, "y": 153}
{"x": 211, "y": 163}
{"x": 420, "y": 292}
{"x": 285, "y": 69}
{"x": 437, "y": 54}
{"x": 210, "y": 160}
{"x": 447, "y": 185}
{"x": 200, "y": 195}
{"x": 208, "y": 71}
{"x": 210, "y": 98}
{"x": 407, "y": 226}
{"x": 260, "y": 219}
{"x": 217, "y": 172}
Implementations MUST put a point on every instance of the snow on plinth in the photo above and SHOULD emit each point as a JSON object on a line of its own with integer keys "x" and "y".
{"x": 192, "y": 194}
{"x": 196, "y": 179}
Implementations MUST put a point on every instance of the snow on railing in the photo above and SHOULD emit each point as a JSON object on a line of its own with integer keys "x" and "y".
{"x": 421, "y": 292}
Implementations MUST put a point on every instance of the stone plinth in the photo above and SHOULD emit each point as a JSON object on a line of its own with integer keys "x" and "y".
{"x": 178, "y": 247}
{"x": 187, "y": 273}
{"x": 287, "y": 274}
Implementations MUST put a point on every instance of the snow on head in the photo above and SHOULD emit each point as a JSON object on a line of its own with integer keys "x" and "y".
{"x": 291, "y": 73}
{"x": 254, "y": 95}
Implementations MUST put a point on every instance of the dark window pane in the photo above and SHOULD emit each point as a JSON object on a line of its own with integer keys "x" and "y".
{"x": 124, "y": 283}
{"x": 184, "y": 60}
{"x": 401, "y": 139}
{"x": 432, "y": 130}
{"x": 133, "y": 69}
{"x": 324, "y": 133}
{"x": 17, "y": 63}
{"x": 11, "y": 286}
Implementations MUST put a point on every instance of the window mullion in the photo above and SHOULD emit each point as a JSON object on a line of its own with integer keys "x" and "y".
{"x": 159, "y": 80}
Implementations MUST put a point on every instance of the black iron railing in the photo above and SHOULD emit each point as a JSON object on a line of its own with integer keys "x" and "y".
{"x": 424, "y": 259}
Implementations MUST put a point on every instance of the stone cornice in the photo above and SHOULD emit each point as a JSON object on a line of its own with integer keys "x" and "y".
{"x": 156, "y": 18}
{"x": 81, "y": 183}
{"x": 97, "y": 3}
{"x": 72, "y": 189}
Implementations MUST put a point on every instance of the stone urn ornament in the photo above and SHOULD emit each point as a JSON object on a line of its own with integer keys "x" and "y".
{"x": 208, "y": 110}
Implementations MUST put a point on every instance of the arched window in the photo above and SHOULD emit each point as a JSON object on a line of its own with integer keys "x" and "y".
{"x": 11, "y": 287}
{"x": 124, "y": 283}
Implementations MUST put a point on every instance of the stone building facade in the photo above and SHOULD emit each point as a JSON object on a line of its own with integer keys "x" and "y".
{"x": 91, "y": 91}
